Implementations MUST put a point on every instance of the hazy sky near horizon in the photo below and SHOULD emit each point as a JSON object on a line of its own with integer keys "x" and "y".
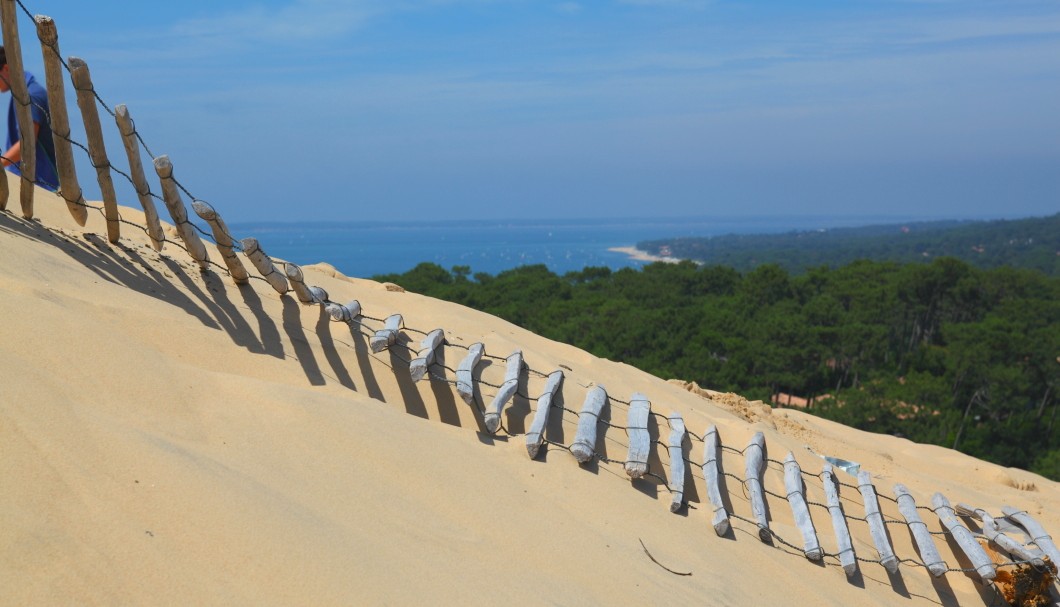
{"x": 462, "y": 109}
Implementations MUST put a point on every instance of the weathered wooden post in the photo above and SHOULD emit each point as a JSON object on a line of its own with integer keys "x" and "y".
{"x": 136, "y": 173}
{"x": 1038, "y": 535}
{"x": 584, "y": 445}
{"x": 23, "y": 113}
{"x": 223, "y": 239}
{"x": 195, "y": 247}
{"x": 639, "y": 439}
{"x": 981, "y": 561}
{"x": 712, "y": 474}
{"x": 875, "y": 520}
{"x": 263, "y": 263}
{"x": 385, "y": 337}
{"x": 5, "y": 189}
{"x": 419, "y": 365}
{"x": 755, "y": 465}
{"x": 69, "y": 187}
{"x": 993, "y": 533}
{"x": 344, "y": 313}
{"x": 536, "y": 435}
{"x": 304, "y": 293}
{"x": 677, "y": 460}
{"x": 97, "y": 151}
{"x": 847, "y": 558}
{"x": 465, "y": 383}
{"x": 924, "y": 543}
{"x": 514, "y": 366}
{"x": 797, "y": 500}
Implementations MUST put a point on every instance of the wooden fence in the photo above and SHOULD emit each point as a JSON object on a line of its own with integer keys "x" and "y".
{"x": 1032, "y": 550}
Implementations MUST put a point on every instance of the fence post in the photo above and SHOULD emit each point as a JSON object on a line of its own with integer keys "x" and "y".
{"x": 223, "y": 239}
{"x": 97, "y": 150}
{"x": 344, "y": 313}
{"x": 797, "y": 500}
{"x": 69, "y": 187}
{"x": 993, "y": 533}
{"x": 385, "y": 337}
{"x": 20, "y": 95}
{"x": 1040, "y": 538}
{"x": 981, "y": 561}
{"x": 492, "y": 417}
{"x": 305, "y": 293}
{"x": 136, "y": 172}
{"x": 711, "y": 473}
{"x": 196, "y": 249}
{"x": 263, "y": 263}
{"x": 535, "y": 436}
{"x": 755, "y": 463}
{"x": 875, "y": 520}
{"x": 584, "y": 445}
{"x": 847, "y": 559}
{"x": 928, "y": 552}
{"x": 639, "y": 439}
{"x": 465, "y": 383}
{"x": 418, "y": 367}
{"x": 677, "y": 460}
{"x": 5, "y": 189}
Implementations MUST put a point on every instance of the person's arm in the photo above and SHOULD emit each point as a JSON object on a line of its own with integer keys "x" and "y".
{"x": 13, "y": 155}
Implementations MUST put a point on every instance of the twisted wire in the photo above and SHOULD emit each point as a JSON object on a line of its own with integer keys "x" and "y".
{"x": 433, "y": 374}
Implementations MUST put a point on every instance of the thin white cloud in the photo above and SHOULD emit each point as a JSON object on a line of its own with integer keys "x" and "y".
{"x": 697, "y": 4}
{"x": 298, "y": 21}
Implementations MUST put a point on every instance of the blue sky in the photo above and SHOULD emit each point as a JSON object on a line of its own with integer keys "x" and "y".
{"x": 463, "y": 109}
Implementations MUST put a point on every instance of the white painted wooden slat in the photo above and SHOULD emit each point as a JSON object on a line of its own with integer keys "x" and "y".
{"x": 179, "y": 214}
{"x": 223, "y": 239}
{"x": 639, "y": 439}
{"x": 536, "y": 435}
{"x": 754, "y": 455}
{"x": 385, "y": 337}
{"x": 1041, "y": 539}
{"x": 981, "y": 561}
{"x": 465, "y": 383}
{"x": 584, "y": 445}
{"x": 263, "y": 264}
{"x": 924, "y": 542}
{"x": 425, "y": 357}
{"x": 993, "y": 533}
{"x": 304, "y": 293}
{"x": 712, "y": 474}
{"x": 797, "y": 500}
{"x": 513, "y": 367}
{"x": 677, "y": 460}
{"x": 847, "y": 557}
{"x": 875, "y": 520}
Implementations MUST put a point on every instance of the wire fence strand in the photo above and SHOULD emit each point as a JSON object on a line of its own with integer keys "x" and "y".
{"x": 441, "y": 373}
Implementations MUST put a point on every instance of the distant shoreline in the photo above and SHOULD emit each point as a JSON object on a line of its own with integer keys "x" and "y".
{"x": 639, "y": 255}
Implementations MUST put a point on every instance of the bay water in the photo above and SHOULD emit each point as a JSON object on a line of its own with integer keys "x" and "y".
{"x": 365, "y": 249}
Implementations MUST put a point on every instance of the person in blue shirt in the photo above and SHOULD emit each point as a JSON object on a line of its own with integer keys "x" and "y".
{"x": 46, "y": 174}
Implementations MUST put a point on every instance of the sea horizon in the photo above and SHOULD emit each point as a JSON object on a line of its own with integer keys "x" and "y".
{"x": 369, "y": 248}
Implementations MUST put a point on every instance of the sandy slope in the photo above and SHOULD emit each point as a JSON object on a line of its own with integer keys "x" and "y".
{"x": 168, "y": 438}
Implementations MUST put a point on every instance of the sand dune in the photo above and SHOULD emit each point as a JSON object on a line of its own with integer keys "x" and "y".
{"x": 168, "y": 438}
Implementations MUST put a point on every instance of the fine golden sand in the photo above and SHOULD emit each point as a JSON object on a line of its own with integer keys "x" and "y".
{"x": 168, "y": 438}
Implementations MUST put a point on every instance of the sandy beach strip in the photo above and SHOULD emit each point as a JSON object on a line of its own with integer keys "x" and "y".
{"x": 639, "y": 255}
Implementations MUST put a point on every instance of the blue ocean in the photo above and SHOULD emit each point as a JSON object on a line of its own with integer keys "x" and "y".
{"x": 366, "y": 249}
